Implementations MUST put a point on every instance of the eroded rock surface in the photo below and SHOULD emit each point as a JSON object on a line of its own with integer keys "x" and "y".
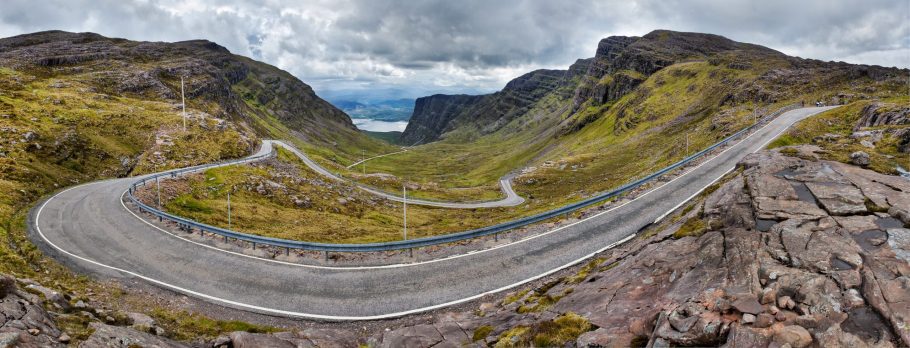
{"x": 794, "y": 252}
{"x": 829, "y": 269}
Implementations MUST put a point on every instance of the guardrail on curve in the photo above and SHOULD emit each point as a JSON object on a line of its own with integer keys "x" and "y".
{"x": 419, "y": 242}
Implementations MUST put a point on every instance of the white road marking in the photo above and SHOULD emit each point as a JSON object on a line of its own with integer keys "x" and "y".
{"x": 373, "y": 317}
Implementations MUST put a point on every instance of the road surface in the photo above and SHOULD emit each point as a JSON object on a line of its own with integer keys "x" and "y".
{"x": 89, "y": 229}
{"x": 505, "y": 183}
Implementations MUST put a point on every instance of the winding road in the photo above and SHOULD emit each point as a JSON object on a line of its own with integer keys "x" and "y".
{"x": 505, "y": 183}
{"x": 89, "y": 229}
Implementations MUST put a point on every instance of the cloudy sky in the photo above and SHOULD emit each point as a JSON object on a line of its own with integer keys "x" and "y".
{"x": 361, "y": 49}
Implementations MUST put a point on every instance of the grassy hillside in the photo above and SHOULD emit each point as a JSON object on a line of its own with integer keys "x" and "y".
{"x": 275, "y": 197}
{"x": 81, "y": 107}
{"x": 389, "y": 137}
{"x": 839, "y": 133}
{"x": 630, "y": 112}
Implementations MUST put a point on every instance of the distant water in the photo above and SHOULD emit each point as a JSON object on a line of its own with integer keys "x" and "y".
{"x": 379, "y": 126}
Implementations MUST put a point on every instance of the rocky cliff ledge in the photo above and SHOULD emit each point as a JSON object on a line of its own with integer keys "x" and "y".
{"x": 437, "y": 114}
{"x": 789, "y": 251}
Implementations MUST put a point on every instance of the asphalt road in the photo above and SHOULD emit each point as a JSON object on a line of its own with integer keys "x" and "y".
{"x": 89, "y": 229}
{"x": 512, "y": 199}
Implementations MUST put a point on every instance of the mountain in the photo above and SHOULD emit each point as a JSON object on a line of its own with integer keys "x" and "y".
{"x": 76, "y": 107}
{"x": 239, "y": 88}
{"x": 640, "y": 103}
{"x": 620, "y": 65}
{"x": 438, "y": 114}
{"x": 382, "y": 110}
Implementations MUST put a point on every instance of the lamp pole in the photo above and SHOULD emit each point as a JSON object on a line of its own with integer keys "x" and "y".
{"x": 183, "y": 103}
{"x": 404, "y": 194}
{"x": 158, "y": 188}
{"x": 687, "y": 144}
{"x": 229, "y": 208}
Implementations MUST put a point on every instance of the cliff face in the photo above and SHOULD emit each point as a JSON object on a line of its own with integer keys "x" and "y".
{"x": 722, "y": 74}
{"x": 620, "y": 64}
{"x": 218, "y": 82}
{"x": 437, "y": 114}
{"x": 627, "y": 61}
{"x": 432, "y": 115}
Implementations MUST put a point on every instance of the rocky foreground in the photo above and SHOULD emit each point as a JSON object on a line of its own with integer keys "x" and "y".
{"x": 789, "y": 252}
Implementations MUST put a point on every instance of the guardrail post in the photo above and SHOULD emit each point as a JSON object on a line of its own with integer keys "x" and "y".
{"x": 325, "y": 254}
{"x": 254, "y": 245}
{"x": 496, "y": 237}
{"x": 225, "y": 239}
{"x": 411, "y": 251}
{"x": 287, "y": 251}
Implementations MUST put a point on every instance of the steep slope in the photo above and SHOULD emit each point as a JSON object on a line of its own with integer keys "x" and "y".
{"x": 257, "y": 97}
{"x": 85, "y": 105}
{"x": 476, "y": 116}
{"x": 632, "y": 108}
{"x": 77, "y": 107}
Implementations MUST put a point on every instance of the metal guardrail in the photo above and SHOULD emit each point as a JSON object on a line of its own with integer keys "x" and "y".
{"x": 419, "y": 242}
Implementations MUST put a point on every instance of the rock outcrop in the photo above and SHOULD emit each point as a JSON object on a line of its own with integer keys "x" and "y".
{"x": 795, "y": 252}
{"x": 30, "y": 314}
{"x": 241, "y": 88}
{"x": 438, "y": 114}
{"x": 881, "y": 114}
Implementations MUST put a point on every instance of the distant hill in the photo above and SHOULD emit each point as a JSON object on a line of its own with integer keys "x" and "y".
{"x": 613, "y": 82}
{"x": 390, "y": 137}
{"x": 384, "y": 110}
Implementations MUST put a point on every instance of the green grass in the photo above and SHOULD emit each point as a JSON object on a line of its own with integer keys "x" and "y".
{"x": 481, "y": 333}
{"x": 885, "y": 157}
{"x": 389, "y": 137}
{"x": 553, "y": 333}
{"x": 186, "y": 326}
{"x": 85, "y": 133}
{"x": 582, "y": 274}
{"x": 693, "y": 227}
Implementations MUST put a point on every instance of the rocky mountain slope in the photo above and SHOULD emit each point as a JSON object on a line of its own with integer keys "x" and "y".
{"x": 664, "y": 94}
{"x": 74, "y": 106}
{"x": 439, "y": 114}
{"x": 220, "y": 83}
{"x": 789, "y": 249}
{"x": 619, "y": 66}
{"x": 77, "y": 107}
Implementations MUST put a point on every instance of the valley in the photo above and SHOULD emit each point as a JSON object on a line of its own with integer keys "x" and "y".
{"x": 794, "y": 234}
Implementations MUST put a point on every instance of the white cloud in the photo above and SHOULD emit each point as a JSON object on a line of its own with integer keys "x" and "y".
{"x": 417, "y": 48}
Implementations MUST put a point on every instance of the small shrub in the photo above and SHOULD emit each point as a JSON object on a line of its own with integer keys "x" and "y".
{"x": 693, "y": 227}
{"x": 584, "y": 271}
{"x": 481, "y": 333}
{"x": 564, "y": 328}
{"x": 191, "y": 204}
{"x": 514, "y": 297}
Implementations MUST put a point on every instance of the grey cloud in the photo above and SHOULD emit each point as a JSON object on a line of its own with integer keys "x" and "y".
{"x": 434, "y": 46}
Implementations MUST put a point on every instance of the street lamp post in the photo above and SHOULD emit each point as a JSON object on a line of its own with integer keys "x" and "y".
{"x": 404, "y": 195}
{"x": 183, "y": 103}
{"x": 229, "y": 208}
{"x": 687, "y": 144}
{"x": 158, "y": 189}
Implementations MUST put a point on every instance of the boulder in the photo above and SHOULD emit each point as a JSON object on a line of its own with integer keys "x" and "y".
{"x": 141, "y": 322}
{"x": 860, "y": 158}
{"x": 747, "y": 304}
{"x": 793, "y": 335}
{"x": 242, "y": 339}
{"x": 7, "y": 285}
{"x": 119, "y": 336}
